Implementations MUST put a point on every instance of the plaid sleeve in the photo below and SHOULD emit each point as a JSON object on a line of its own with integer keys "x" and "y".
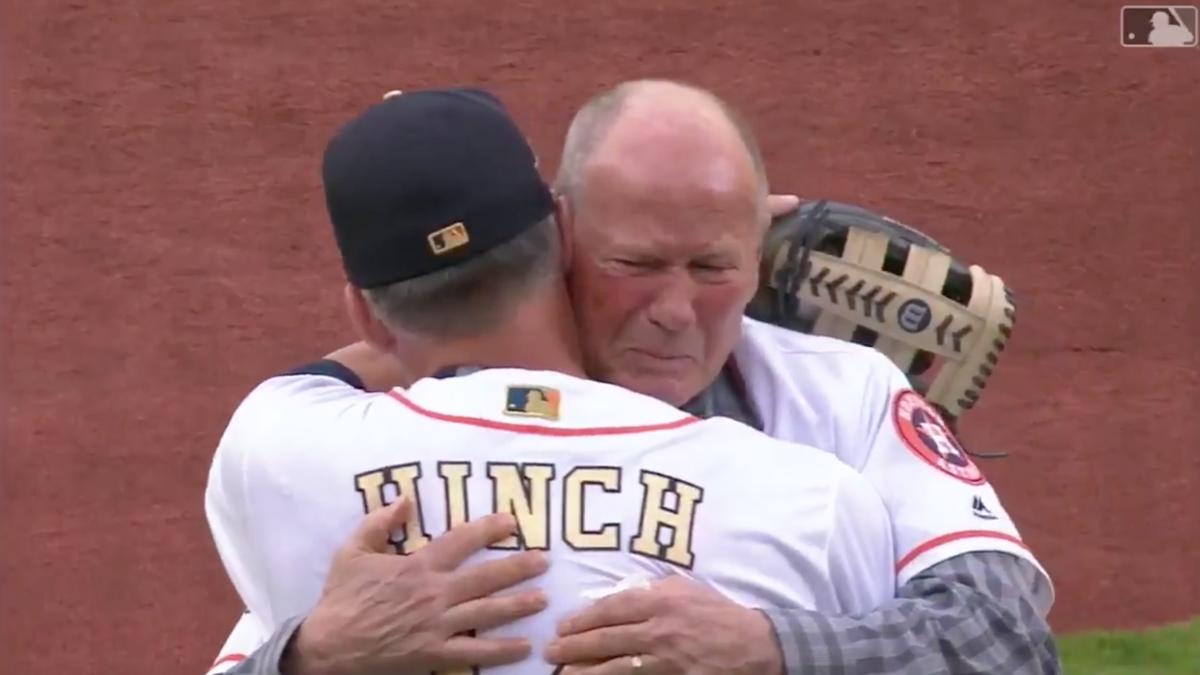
{"x": 981, "y": 612}
{"x": 265, "y": 660}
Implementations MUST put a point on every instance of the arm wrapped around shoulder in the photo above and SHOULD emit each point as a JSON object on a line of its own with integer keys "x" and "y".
{"x": 842, "y": 271}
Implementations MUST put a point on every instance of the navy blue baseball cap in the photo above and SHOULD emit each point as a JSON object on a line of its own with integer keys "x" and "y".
{"x": 426, "y": 180}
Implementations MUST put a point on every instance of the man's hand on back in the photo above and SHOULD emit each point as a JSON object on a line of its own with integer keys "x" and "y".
{"x": 386, "y": 614}
{"x": 676, "y": 626}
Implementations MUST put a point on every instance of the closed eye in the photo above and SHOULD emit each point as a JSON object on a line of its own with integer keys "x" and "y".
{"x": 636, "y": 263}
{"x": 711, "y": 266}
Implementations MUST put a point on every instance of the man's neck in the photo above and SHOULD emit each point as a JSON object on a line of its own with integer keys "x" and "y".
{"x": 538, "y": 336}
{"x": 500, "y": 351}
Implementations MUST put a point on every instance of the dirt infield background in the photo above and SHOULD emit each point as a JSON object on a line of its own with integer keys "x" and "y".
{"x": 164, "y": 248}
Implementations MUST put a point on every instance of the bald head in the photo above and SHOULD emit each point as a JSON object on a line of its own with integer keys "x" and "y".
{"x": 662, "y": 130}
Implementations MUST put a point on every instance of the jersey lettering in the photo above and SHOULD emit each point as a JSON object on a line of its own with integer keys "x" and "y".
{"x": 402, "y": 479}
{"x": 608, "y": 536}
{"x": 658, "y": 518}
{"x": 524, "y": 491}
{"x": 667, "y": 512}
{"x": 454, "y": 482}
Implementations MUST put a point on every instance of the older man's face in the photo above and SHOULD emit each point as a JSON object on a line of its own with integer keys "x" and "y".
{"x": 663, "y": 267}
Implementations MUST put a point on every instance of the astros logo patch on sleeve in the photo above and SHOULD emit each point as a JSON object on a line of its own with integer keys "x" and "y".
{"x": 927, "y": 436}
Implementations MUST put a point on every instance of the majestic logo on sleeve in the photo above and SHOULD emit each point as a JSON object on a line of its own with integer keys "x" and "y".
{"x": 923, "y": 431}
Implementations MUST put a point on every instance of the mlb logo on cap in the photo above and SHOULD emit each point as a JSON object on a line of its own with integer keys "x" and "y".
{"x": 448, "y": 238}
{"x": 1159, "y": 26}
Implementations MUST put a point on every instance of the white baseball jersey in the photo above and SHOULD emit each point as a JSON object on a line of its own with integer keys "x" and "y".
{"x": 613, "y": 485}
{"x": 853, "y": 401}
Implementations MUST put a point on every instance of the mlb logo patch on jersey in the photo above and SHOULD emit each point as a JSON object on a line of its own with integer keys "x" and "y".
{"x": 929, "y": 438}
{"x": 532, "y": 401}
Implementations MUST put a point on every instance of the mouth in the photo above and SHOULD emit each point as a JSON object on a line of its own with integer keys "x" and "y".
{"x": 664, "y": 357}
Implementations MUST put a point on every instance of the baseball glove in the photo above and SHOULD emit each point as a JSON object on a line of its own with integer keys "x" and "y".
{"x": 842, "y": 271}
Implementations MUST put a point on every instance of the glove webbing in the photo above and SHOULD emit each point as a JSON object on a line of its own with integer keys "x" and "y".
{"x": 859, "y": 291}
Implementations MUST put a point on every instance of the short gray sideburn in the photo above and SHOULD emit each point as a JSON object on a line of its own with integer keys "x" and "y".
{"x": 471, "y": 298}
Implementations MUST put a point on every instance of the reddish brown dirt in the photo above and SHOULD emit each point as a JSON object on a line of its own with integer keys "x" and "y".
{"x": 164, "y": 248}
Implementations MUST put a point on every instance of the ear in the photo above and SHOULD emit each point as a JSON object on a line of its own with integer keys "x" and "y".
{"x": 564, "y": 215}
{"x": 369, "y": 328}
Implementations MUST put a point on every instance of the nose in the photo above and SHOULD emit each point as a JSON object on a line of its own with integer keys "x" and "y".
{"x": 672, "y": 309}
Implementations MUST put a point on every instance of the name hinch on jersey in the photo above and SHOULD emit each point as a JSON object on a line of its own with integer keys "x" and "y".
{"x": 668, "y": 506}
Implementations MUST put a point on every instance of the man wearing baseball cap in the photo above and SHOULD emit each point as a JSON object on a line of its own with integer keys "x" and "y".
{"x": 444, "y": 225}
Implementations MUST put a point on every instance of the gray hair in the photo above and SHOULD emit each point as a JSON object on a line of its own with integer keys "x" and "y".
{"x": 471, "y": 298}
{"x": 595, "y": 119}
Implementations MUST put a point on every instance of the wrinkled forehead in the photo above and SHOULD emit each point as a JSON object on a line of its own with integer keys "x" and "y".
{"x": 665, "y": 202}
{"x": 659, "y": 228}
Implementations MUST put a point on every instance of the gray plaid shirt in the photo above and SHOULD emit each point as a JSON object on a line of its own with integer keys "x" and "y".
{"x": 982, "y": 612}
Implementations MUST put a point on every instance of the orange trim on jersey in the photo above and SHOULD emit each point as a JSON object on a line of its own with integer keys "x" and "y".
{"x": 228, "y": 658}
{"x": 955, "y": 536}
{"x": 538, "y": 430}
